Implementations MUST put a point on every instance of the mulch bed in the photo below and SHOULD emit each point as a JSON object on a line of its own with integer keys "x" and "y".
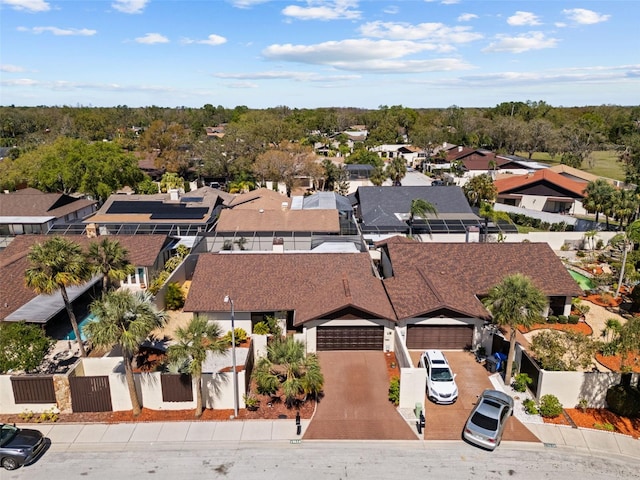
{"x": 596, "y": 418}
{"x": 392, "y": 365}
{"x": 614, "y": 362}
{"x": 580, "y": 327}
{"x": 597, "y": 299}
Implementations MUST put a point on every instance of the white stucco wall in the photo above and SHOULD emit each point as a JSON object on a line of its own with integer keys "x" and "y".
{"x": 8, "y": 404}
{"x": 151, "y": 389}
{"x": 217, "y": 390}
{"x": 571, "y": 387}
{"x": 413, "y": 385}
{"x": 241, "y": 320}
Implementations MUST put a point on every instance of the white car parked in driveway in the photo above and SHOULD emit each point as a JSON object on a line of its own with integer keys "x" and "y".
{"x": 441, "y": 383}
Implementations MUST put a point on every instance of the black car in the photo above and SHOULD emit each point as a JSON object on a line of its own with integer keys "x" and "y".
{"x": 19, "y": 446}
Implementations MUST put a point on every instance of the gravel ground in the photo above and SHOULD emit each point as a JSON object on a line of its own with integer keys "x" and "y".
{"x": 518, "y": 398}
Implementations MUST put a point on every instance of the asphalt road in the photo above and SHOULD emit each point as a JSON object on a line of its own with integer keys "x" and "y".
{"x": 321, "y": 460}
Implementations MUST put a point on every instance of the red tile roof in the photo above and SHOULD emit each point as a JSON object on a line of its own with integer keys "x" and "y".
{"x": 510, "y": 184}
{"x": 434, "y": 276}
{"x": 314, "y": 285}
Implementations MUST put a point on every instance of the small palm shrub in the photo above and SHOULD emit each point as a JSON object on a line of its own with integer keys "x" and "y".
{"x": 394, "y": 390}
{"x": 521, "y": 381}
{"x": 261, "y": 328}
{"x": 158, "y": 282}
{"x": 530, "y": 406}
{"x": 174, "y": 296}
{"x": 240, "y": 334}
{"x": 550, "y": 406}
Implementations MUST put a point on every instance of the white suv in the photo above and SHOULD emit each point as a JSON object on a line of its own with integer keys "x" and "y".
{"x": 441, "y": 384}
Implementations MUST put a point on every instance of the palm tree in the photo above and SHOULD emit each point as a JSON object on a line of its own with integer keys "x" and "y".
{"x": 598, "y": 196}
{"x": 515, "y": 301}
{"x": 193, "y": 343}
{"x": 126, "y": 319}
{"x": 110, "y": 259}
{"x": 286, "y": 366}
{"x": 420, "y": 208}
{"x": 56, "y": 264}
{"x": 631, "y": 235}
{"x": 397, "y": 170}
{"x": 488, "y": 213}
{"x": 611, "y": 329}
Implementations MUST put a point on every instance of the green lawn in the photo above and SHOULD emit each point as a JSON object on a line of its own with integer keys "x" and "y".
{"x": 606, "y": 163}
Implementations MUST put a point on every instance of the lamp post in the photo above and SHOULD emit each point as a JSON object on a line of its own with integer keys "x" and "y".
{"x": 228, "y": 299}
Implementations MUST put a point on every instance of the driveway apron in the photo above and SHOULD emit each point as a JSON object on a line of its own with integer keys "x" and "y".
{"x": 356, "y": 403}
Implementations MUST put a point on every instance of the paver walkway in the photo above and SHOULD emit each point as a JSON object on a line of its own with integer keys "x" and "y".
{"x": 356, "y": 405}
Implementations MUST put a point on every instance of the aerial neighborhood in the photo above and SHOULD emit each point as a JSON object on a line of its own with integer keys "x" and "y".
{"x": 261, "y": 266}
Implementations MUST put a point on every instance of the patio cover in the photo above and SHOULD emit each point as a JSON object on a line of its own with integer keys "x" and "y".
{"x": 43, "y": 308}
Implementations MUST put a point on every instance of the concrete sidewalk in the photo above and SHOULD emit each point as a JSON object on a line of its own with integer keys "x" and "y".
{"x": 114, "y": 436}
{"x": 171, "y": 432}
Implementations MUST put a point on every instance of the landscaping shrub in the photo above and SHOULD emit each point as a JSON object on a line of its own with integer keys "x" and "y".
{"x": 574, "y": 319}
{"x": 624, "y": 400}
{"x": 563, "y": 319}
{"x": 240, "y": 334}
{"x": 158, "y": 282}
{"x": 550, "y": 406}
{"x": 394, "y": 390}
{"x": 530, "y": 406}
{"x": 174, "y": 296}
{"x": 521, "y": 380}
{"x": 261, "y": 328}
{"x": 552, "y": 319}
{"x": 604, "y": 426}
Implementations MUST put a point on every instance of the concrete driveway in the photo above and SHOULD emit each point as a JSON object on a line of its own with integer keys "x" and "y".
{"x": 445, "y": 422}
{"x": 356, "y": 404}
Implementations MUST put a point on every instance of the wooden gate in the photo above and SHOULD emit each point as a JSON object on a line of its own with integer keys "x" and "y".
{"x": 90, "y": 394}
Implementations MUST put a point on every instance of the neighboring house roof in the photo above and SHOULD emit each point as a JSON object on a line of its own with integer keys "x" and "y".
{"x": 319, "y": 221}
{"x": 387, "y": 208}
{"x": 30, "y": 203}
{"x": 452, "y": 276}
{"x": 324, "y": 201}
{"x": 482, "y": 163}
{"x": 261, "y": 198}
{"x": 543, "y": 182}
{"x": 576, "y": 174}
{"x": 143, "y": 252}
{"x": 314, "y": 285}
{"x": 524, "y": 163}
{"x": 196, "y": 206}
{"x": 461, "y": 153}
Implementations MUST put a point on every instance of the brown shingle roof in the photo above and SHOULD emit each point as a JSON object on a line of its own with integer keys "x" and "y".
{"x": 143, "y": 252}
{"x": 509, "y": 184}
{"x": 31, "y": 202}
{"x": 429, "y": 277}
{"x": 312, "y": 284}
{"x": 320, "y": 221}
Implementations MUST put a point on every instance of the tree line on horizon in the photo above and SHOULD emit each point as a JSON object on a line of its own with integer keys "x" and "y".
{"x": 96, "y": 150}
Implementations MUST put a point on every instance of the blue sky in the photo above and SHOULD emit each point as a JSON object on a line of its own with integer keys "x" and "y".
{"x": 318, "y": 53}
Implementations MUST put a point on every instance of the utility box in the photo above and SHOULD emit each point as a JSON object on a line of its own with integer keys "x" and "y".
{"x": 492, "y": 364}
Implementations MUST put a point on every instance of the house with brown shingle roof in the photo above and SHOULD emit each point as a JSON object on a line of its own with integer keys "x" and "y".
{"x": 544, "y": 191}
{"x": 436, "y": 289}
{"x": 334, "y": 299}
{"x": 32, "y": 211}
{"x": 147, "y": 253}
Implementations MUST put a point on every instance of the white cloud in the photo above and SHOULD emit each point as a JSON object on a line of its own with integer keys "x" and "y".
{"x": 391, "y": 9}
{"x": 11, "y": 68}
{"x": 286, "y": 75}
{"x": 583, "y": 16}
{"x": 382, "y": 56}
{"x": 152, "y": 38}
{"x": 130, "y": 6}
{"x": 324, "y": 10}
{"x": 62, "y": 32}
{"x": 465, "y": 17}
{"x": 246, "y": 3}
{"x": 520, "y": 19}
{"x": 560, "y": 24}
{"x": 450, "y": 2}
{"x": 212, "y": 40}
{"x": 521, "y": 43}
{"x": 29, "y": 5}
{"x": 435, "y": 32}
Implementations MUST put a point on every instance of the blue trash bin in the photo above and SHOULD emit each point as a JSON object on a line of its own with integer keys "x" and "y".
{"x": 501, "y": 358}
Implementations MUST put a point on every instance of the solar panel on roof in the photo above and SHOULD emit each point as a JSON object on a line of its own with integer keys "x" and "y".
{"x": 186, "y": 213}
{"x": 191, "y": 200}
